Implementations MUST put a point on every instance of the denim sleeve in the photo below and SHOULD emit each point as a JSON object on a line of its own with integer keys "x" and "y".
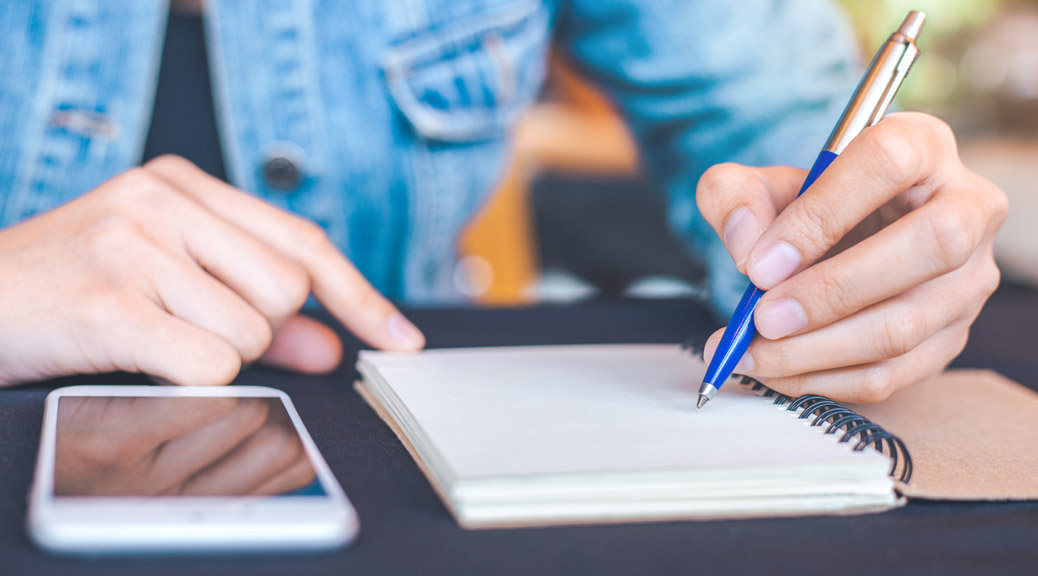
{"x": 758, "y": 82}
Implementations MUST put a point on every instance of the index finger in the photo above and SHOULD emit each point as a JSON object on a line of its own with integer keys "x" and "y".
{"x": 901, "y": 152}
{"x": 334, "y": 280}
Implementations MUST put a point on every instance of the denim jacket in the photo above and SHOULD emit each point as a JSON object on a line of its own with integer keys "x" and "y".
{"x": 397, "y": 112}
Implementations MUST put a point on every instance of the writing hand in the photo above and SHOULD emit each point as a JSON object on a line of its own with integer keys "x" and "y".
{"x": 875, "y": 274}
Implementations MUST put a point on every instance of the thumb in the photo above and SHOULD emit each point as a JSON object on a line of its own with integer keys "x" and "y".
{"x": 740, "y": 202}
{"x": 304, "y": 345}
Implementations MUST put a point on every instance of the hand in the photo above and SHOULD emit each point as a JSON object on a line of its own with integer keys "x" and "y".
{"x": 875, "y": 274}
{"x": 167, "y": 271}
{"x": 177, "y": 446}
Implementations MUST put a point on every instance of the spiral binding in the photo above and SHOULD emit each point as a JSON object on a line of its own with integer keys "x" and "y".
{"x": 839, "y": 419}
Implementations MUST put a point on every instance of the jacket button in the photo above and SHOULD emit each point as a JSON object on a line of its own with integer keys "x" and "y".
{"x": 283, "y": 171}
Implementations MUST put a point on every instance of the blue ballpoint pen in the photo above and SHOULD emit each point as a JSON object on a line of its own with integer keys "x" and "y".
{"x": 870, "y": 101}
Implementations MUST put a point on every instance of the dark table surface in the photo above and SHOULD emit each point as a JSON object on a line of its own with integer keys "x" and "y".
{"x": 406, "y": 530}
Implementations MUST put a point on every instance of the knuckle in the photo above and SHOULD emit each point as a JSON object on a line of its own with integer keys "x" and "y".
{"x": 950, "y": 229}
{"x": 114, "y": 237}
{"x": 720, "y": 177}
{"x": 877, "y": 383}
{"x": 135, "y": 178}
{"x": 903, "y": 330}
{"x": 717, "y": 178}
{"x": 961, "y": 340}
{"x": 940, "y": 132}
{"x": 168, "y": 162}
{"x": 999, "y": 207}
{"x": 285, "y": 294}
{"x": 254, "y": 337}
{"x": 137, "y": 194}
{"x": 225, "y": 368}
{"x": 722, "y": 187}
{"x": 293, "y": 289}
{"x": 129, "y": 185}
{"x": 932, "y": 127}
{"x": 311, "y": 234}
{"x": 219, "y": 364}
{"x": 705, "y": 188}
{"x": 835, "y": 295}
{"x": 990, "y": 278}
{"x": 814, "y": 225}
{"x": 893, "y": 145}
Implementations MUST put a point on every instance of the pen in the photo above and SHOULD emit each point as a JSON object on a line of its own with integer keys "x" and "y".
{"x": 868, "y": 104}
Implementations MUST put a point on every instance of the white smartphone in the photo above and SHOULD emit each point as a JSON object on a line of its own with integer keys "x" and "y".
{"x": 167, "y": 468}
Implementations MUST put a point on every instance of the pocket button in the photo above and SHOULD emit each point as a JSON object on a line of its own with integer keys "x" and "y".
{"x": 282, "y": 172}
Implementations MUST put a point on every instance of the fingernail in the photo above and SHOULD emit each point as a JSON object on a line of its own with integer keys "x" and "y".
{"x": 740, "y": 233}
{"x": 779, "y": 318}
{"x": 744, "y": 365}
{"x": 402, "y": 332}
{"x": 777, "y": 264}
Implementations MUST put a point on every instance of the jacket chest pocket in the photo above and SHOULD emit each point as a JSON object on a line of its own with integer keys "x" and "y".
{"x": 470, "y": 80}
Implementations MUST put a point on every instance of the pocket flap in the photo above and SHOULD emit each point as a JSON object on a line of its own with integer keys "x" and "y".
{"x": 470, "y": 81}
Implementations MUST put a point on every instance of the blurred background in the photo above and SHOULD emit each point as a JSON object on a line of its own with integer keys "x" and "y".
{"x": 573, "y": 155}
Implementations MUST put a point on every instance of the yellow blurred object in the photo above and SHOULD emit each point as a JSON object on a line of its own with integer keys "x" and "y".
{"x": 501, "y": 238}
{"x": 578, "y": 131}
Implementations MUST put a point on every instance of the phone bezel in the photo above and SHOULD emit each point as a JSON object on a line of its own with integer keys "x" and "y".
{"x": 97, "y": 525}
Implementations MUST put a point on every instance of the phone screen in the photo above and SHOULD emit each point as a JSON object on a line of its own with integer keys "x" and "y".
{"x": 179, "y": 447}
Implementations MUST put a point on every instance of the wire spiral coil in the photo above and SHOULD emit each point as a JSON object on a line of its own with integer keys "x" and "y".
{"x": 822, "y": 411}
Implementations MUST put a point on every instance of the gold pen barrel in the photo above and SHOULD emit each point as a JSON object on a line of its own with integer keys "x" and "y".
{"x": 879, "y": 84}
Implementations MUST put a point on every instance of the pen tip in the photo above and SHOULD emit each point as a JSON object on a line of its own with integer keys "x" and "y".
{"x": 912, "y": 25}
{"x": 706, "y": 392}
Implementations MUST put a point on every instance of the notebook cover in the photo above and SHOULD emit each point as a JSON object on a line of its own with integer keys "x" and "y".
{"x": 972, "y": 434}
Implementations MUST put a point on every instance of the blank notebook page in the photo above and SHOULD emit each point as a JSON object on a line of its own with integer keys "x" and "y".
{"x": 579, "y": 410}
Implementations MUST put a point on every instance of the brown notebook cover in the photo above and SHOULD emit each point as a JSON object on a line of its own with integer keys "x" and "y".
{"x": 972, "y": 434}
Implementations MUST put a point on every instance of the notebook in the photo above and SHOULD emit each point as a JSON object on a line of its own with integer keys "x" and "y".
{"x": 529, "y": 436}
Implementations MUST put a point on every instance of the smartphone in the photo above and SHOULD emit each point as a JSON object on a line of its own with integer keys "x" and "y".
{"x": 168, "y": 468}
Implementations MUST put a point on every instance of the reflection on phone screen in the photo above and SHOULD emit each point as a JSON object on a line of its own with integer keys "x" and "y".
{"x": 168, "y": 447}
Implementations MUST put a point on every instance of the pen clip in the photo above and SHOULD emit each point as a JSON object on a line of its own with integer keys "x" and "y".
{"x": 908, "y": 58}
{"x": 880, "y": 83}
